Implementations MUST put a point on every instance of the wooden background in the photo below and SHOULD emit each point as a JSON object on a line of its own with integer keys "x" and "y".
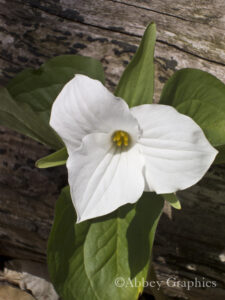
{"x": 190, "y": 243}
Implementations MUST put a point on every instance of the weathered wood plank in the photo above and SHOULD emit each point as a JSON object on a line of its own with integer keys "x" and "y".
{"x": 27, "y": 42}
{"x": 27, "y": 197}
{"x": 209, "y": 12}
{"x": 174, "y": 31}
{"x": 193, "y": 246}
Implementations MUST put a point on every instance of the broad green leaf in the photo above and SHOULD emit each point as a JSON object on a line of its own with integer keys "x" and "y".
{"x": 65, "y": 252}
{"x": 119, "y": 246}
{"x": 136, "y": 85}
{"x": 23, "y": 119}
{"x": 173, "y": 200}
{"x": 200, "y": 96}
{"x": 55, "y": 159}
{"x": 85, "y": 259}
{"x": 40, "y": 87}
{"x": 32, "y": 93}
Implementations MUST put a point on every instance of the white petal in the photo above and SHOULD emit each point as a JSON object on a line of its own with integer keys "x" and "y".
{"x": 177, "y": 153}
{"x": 103, "y": 178}
{"x": 85, "y": 106}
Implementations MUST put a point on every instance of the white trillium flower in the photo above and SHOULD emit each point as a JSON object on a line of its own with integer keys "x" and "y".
{"x": 116, "y": 153}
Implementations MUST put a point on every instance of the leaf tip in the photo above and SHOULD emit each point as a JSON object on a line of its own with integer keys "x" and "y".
{"x": 151, "y": 25}
{"x": 37, "y": 164}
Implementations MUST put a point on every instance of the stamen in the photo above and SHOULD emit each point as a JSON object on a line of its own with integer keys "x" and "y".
{"x": 121, "y": 138}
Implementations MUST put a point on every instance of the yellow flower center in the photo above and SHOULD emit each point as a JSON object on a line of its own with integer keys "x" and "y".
{"x": 121, "y": 138}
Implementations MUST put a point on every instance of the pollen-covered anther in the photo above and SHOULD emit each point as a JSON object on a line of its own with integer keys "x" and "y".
{"x": 121, "y": 138}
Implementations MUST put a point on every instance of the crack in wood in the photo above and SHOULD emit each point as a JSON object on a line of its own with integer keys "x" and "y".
{"x": 149, "y": 9}
{"x": 191, "y": 53}
{"x": 114, "y": 29}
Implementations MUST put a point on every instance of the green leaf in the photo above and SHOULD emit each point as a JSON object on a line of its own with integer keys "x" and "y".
{"x": 23, "y": 119}
{"x": 173, "y": 200}
{"x": 85, "y": 259}
{"x": 120, "y": 246}
{"x": 136, "y": 85}
{"x": 32, "y": 92}
{"x": 55, "y": 159}
{"x": 40, "y": 87}
{"x": 200, "y": 96}
{"x": 65, "y": 252}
